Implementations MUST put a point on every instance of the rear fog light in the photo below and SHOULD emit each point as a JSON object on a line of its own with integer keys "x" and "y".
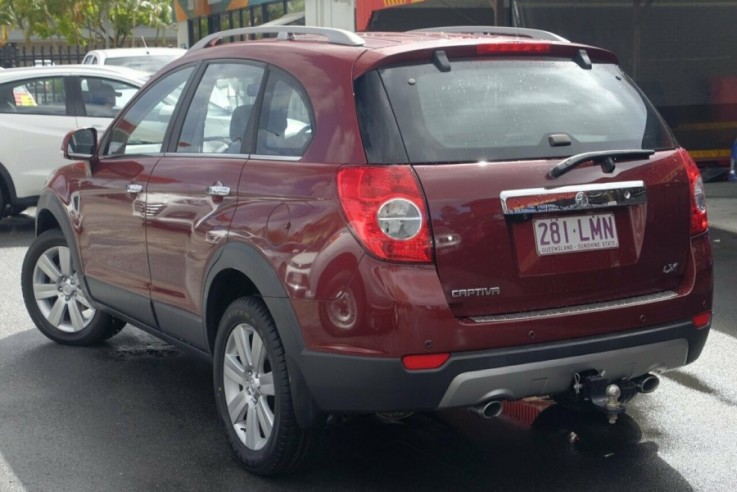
{"x": 424, "y": 361}
{"x": 702, "y": 320}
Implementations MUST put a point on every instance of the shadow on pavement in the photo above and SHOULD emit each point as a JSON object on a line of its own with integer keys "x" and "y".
{"x": 17, "y": 231}
{"x": 724, "y": 250}
{"x": 134, "y": 414}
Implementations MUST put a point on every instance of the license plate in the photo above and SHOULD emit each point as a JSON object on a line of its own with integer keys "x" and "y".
{"x": 575, "y": 234}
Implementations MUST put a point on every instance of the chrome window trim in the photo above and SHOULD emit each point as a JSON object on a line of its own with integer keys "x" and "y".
{"x": 290, "y": 158}
{"x": 207, "y": 154}
{"x": 573, "y": 197}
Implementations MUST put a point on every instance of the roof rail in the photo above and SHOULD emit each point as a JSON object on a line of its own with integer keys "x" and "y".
{"x": 334, "y": 36}
{"x": 522, "y": 32}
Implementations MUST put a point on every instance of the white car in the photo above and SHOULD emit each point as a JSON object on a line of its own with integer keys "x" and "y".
{"x": 38, "y": 106}
{"x": 144, "y": 59}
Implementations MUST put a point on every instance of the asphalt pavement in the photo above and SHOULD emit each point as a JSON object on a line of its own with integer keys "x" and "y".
{"x": 135, "y": 415}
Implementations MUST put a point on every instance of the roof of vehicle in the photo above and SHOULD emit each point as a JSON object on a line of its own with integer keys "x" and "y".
{"x": 372, "y": 49}
{"x": 122, "y": 52}
{"x": 121, "y": 73}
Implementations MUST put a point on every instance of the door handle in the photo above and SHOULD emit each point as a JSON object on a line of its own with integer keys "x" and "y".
{"x": 218, "y": 190}
{"x": 134, "y": 188}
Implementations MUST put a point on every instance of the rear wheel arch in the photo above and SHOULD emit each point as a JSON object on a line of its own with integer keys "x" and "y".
{"x": 239, "y": 270}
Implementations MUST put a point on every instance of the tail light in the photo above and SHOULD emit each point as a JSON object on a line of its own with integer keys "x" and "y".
{"x": 386, "y": 209}
{"x": 699, "y": 219}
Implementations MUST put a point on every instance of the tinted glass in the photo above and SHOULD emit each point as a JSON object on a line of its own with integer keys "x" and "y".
{"x": 105, "y": 97}
{"x": 141, "y": 130}
{"x": 506, "y": 110}
{"x": 45, "y": 96}
{"x": 285, "y": 126}
{"x": 221, "y": 109}
{"x": 144, "y": 63}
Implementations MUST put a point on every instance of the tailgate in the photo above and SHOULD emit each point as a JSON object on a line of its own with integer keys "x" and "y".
{"x": 508, "y": 239}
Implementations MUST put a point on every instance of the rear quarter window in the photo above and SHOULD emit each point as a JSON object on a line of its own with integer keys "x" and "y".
{"x": 507, "y": 109}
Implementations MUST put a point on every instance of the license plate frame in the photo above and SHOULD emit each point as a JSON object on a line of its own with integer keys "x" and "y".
{"x": 575, "y": 234}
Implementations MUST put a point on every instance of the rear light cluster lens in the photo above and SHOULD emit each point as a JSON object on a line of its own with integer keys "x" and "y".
{"x": 513, "y": 47}
{"x": 386, "y": 209}
{"x": 702, "y": 320}
{"x": 423, "y": 362}
{"x": 699, "y": 219}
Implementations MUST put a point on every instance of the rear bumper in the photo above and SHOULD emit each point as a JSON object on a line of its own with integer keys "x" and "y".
{"x": 340, "y": 383}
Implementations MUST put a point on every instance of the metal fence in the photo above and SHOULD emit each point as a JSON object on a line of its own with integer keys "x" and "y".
{"x": 14, "y": 56}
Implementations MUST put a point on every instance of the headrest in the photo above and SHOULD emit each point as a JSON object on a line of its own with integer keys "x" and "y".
{"x": 239, "y": 121}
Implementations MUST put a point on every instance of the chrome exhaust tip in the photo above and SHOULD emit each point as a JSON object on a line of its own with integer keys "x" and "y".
{"x": 647, "y": 383}
{"x": 488, "y": 410}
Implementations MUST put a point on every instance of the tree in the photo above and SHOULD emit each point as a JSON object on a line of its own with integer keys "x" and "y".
{"x": 110, "y": 22}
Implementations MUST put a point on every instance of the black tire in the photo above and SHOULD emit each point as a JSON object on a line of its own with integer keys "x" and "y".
{"x": 2, "y": 200}
{"x": 54, "y": 298}
{"x": 262, "y": 429}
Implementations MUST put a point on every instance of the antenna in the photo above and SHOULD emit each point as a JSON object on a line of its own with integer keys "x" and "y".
{"x": 143, "y": 40}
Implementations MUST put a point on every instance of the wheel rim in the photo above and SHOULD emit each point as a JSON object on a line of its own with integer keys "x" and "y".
{"x": 343, "y": 311}
{"x": 248, "y": 384}
{"x": 57, "y": 291}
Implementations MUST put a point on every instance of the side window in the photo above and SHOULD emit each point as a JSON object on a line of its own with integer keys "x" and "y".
{"x": 142, "y": 128}
{"x": 286, "y": 123}
{"x": 105, "y": 97}
{"x": 44, "y": 96}
{"x": 218, "y": 117}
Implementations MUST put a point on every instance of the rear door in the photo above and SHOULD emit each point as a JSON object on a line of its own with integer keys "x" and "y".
{"x": 509, "y": 238}
{"x": 192, "y": 193}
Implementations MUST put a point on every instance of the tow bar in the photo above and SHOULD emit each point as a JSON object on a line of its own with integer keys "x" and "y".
{"x": 591, "y": 387}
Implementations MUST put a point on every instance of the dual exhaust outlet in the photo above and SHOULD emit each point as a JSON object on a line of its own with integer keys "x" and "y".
{"x": 609, "y": 401}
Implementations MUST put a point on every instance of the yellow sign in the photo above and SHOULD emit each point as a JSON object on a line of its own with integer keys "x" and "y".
{"x": 709, "y": 154}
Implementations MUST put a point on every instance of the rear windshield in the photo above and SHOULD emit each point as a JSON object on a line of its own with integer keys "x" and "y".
{"x": 503, "y": 110}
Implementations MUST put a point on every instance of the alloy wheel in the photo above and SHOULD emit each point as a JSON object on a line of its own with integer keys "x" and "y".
{"x": 248, "y": 384}
{"x": 57, "y": 292}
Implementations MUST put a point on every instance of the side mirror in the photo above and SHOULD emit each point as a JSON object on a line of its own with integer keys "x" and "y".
{"x": 80, "y": 144}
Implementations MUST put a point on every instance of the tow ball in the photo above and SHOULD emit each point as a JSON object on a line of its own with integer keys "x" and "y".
{"x": 609, "y": 397}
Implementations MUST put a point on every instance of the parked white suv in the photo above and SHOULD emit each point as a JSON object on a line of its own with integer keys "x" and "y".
{"x": 144, "y": 59}
{"x": 38, "y": 106}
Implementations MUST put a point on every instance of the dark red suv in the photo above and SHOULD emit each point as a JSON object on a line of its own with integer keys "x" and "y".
{"x": 384, "y": 222}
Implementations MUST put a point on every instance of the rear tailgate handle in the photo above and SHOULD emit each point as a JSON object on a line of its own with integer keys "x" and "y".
{"x": 218, "y": 190}
{"x": 572, "y": 198}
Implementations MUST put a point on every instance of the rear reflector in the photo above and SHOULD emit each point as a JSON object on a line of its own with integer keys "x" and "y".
{"x": 512, "y": 47}
{"x": 424, "y": 361}
{"x": 702, "y": 320}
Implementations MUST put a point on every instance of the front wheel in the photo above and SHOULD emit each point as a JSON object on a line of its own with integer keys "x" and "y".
{"x": 54, "y": 297}
{"x": 252, "y": 391}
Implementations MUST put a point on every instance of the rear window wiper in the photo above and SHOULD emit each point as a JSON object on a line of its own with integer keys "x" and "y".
{"x": 606, "y": 158}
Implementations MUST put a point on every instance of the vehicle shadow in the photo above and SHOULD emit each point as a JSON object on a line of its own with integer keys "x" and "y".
{"x": 17, "y": 231}
{"x": 135, "y": 414}
{"x": 724, "y": 250}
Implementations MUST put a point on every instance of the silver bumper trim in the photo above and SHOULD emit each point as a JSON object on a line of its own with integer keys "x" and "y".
{"x": 556, "y": 376}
